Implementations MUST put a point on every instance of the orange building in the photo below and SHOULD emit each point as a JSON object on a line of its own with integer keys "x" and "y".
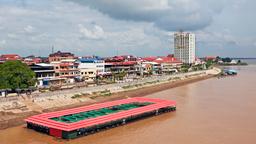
{"x": 66, "y": 68}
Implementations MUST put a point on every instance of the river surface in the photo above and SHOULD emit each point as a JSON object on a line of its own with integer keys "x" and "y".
{"x": 213, "y": 111}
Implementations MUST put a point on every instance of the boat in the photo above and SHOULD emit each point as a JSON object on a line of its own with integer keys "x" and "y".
{"x": 230, "y": 72}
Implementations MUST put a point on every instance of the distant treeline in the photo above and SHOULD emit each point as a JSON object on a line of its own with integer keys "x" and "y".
{"x": 229, "y": 61}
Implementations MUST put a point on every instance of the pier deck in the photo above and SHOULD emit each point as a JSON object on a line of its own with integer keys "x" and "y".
{"x": 85, "y": 120}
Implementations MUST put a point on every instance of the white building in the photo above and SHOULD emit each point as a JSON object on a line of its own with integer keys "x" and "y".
{"x": 88, "y": 75}
{"x": 92, "y": 63}
{"x": 185, "y": 47}
{"x": 233, "y": 62}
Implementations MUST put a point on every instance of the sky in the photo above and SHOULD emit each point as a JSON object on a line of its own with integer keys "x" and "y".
{"x": 121, "y": 27}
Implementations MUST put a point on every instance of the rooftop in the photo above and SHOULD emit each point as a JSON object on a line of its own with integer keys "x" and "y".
{"x": 10, "y": 57}
{"x": 61, "y": 54}
{"x": 90, "y": 60}
{"x": 72, "y": 118}
{"x": 44, "y": 64}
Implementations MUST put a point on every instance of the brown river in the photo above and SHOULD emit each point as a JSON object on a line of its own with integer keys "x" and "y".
{"x": 213, "y": 111}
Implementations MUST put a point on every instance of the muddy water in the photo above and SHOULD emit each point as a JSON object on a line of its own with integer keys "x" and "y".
{"x": 212, "y": 111}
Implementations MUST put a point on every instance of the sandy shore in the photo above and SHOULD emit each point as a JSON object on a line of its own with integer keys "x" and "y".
{"x": 8, "y": 119}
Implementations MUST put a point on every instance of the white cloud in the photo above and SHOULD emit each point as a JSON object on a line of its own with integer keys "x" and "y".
{"x": 96, "y": 32}
{"x": 29, "y": 29}
{"x": 12, "y": 36}
{"x": 2, "y": 42}
{"x": 165, "y": 14}
{"x": 139, "y": 27}
{"x": 237, "y": 4}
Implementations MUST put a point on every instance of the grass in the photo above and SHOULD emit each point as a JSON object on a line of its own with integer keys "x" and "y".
{"x": 76, "y": 96}
{"x": 140, "y": 85}
{"x": 103, "y": 93}
{"x": 128, "y": 87}
{"x": 79, "y": 95}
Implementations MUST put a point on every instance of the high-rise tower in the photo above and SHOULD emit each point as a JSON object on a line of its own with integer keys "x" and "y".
{"x": 185, "y": 47}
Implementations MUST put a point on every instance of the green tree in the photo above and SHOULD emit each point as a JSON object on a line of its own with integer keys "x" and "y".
{"x": 227, "y": 59}
{"x": 15, "y": 74}
{"x": 209, "y": 63}
{"x": 184, "y": 68}
{"x": 218, "y": 58}
{"x": 119, "y": 75}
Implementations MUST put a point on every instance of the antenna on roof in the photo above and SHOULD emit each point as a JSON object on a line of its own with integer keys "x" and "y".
{"x": 52, "y": 49}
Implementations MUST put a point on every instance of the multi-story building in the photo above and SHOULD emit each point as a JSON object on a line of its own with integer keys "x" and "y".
{"x": 125, "y": 63}
{"x": 44, "y": 73}
{"x": 155, "y": 67}
{"x": 67, "y": 68}
{"x": 169, "y": 64}
{"x": 91, "y": 67}
{"x": 31, "y": 60}
{"x": 165, "y": 64}
{"x": 58, "y": 56}
{"x": 43, "y": 70}
{"x": 129, "y": 67}
{"x": 88, "y": 75}
{"x": 95, "y": 63}
{"x": 185, "y": 47}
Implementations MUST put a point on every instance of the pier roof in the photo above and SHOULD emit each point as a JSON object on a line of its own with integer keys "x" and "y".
{"x": 47, "y": 121}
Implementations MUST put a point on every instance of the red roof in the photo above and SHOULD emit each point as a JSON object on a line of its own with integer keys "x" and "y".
{"x": 118, "y": 58}
{"x": 151, "y": 58}
{"x": 10, "y": 57}
{"x": 210, "y": 57}
{"x": 167, "y": 60}
{"x": 44, "y": 119}
{"x": 126, "y": 63}
{"x": 31, "y": 61}
{"x": 121, "y": 58}
{"x": 163, "y": 59}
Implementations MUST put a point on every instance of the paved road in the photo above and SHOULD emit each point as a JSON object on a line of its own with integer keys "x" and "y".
{"x": 112, "y": 87}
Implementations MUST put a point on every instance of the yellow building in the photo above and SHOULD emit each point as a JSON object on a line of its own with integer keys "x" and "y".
{"x": 88, "y": 75}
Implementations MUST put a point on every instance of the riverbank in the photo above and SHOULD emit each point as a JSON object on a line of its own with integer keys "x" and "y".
{"x": 233, "y": 64}
{"x": 35, "y": 105}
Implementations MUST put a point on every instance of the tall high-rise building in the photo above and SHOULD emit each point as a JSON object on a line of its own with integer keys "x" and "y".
{"x": 185, "y": 47}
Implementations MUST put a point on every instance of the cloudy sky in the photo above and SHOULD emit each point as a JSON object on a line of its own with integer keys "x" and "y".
{"x": 138, "y": 27}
